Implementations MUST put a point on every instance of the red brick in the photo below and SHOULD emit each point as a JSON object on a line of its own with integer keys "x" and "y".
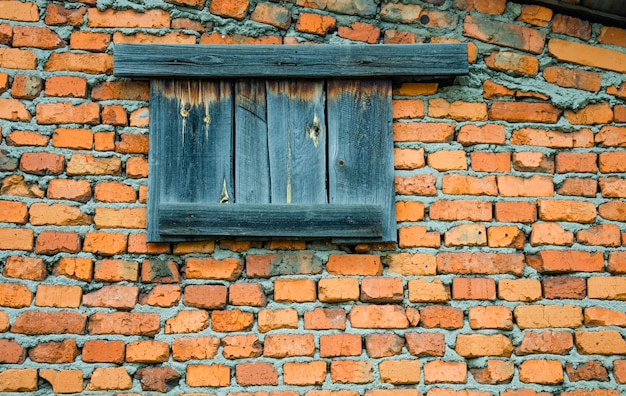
{"x": 163, "y": 296}
{"x": 604, "y": 317}
{"x": 546, "y": 342}
{"x": 495, "y": 372}
{"x": 125, "y": 323}
{"x": 354, "y": 264}
{"x": 184, "y": 349}
{"x": 13, "y": 58}
{"x": 613, "y": 210}
{"x": 29, "y": 268}
{"x": 58, "y": 15}
{"x": 473, "y": 289}
{"x": 53, "y": 242}
{"x": 570, "y": 261}
{"x": 588, "y": 371}
{"x": 104, "y": 243}
{"x": 90, "y": 41}
{"x": 504, "y": 34}
{"x": 205, "y": 296}
{"x": 378, "y": 317}
{"x": 519, "y": 64}
{"x": 436, "y": 316}
{"x": 351, "y": 372}
{"x": 490, "y": 162}
{"x": 465, "y": 263}
{"x": 490, "y": 317}
{"x": 26, "y": 138}
{"x": 72, "y": 138}
{"x": 156, "y": 378}
{"x": 11, "y": 352}
{"x": 6, "y": 36}
{"x": 231, "y": 320}
{"x": 121, "y": 90}
{"x": 425, "y": 132}
{"x": 550, "y": 234}
{"x": 128, "y": 18}
{"x": 26, "y": 87}
{"x": 325, "y": 319}
{"x": 517, "y": 212}
{"x": 426, "y": 344}
{"x": 575, "y": 186}
{"x": 612, "y": 187}
{"x": 303, "y": 374}
{"x": 460, "y": 210}
{"x": 13, "y": 212}
{"x": 587, "y": 55}
{"x": 564, "y": 24}
{"x": 552, "y": 139}
{"x": 42, "y": 163}
{"x": 117, "y": 297}
{"x": 382, "y": 290}
{"x": 333, "y": 345}
{"x": 485, "y": 7}
{"x": 137, "y": 167}
{"x": 573, "y": 78}
{"x": 250, "y": 294}
{"x": 15, "y": 295}
{"x": 617, "y": 262}
{"x": 602, "y": 235}
{"x": 559, "y": 287}
{"x": 37, "y": 37}
{"x": 416, "y": 185}
{"x": 67, "y": 113}
{"x": 437, "y": 371}
{"x": 209, "y": 268}
{"x": 116, "y": 271}
{"x": 84, "y": 63}
{"x": 380, "y": 345}
{"x": 58, "y": 322}
{"x": 54, "y": 352}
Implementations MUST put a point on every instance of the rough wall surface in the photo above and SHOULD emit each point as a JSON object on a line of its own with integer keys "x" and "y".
{"x": 508, "y": 278}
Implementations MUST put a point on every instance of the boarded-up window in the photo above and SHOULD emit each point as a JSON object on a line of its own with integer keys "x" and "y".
{"x": 283, "y": 154}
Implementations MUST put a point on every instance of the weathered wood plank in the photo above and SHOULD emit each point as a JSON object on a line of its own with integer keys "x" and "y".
{"x": 270, "y": 220}
{"x": 359, "y": 124}
{"x": 252, "y": 173}
{"x": 302, "y": 61}
{"x": 191, "y": 140}
{"x": 297, "y": 141}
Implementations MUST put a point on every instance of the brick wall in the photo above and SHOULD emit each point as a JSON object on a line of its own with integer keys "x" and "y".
{"x": 508, "y": 278}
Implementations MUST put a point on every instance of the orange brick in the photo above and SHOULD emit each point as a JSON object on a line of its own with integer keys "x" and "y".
{"x": 425, "y": 132}
{"x": 504, "y": 34}
{"x": 409, "y": 211}
{"x": 592, "y": 114}
{"x": 52, "y": 322}
{"x": 184, "y": 349}
{"x": 382, "y": 345}
{"x": 13, "y": 212}
{"x": 354, "y": 264}
{"x": 205, "y": 296}
{"x": 473, "y": 289}
{"x": 18, "y": 380}
{"x": 418, "y": 236}
{"x": 333, "y": 290}
{"x": 58, "y": 296}
{"x": 250, "y": 294}
{"x": 416, "y": 185}
{"x": 114, "y": 192}
{"x": 604, "y": 317}
{"x": 545, "y": 372}
{"x": 461, "y": 210}
{"x": 550, "y": 234}
{"x": 209, "y": 268}
{"x": 490, "y": 162}
{"x": 378, "y": 317}
{"x": 37, "y": 37}
{"x": 492, "y": 90}
{"x": 407, "y": 108}
{"x": 546, "y": 316}
{"x": 287, "y": 345}
{"x": 490, "y": 317}
{"x": 411, "y": 264}
{"x": 16, "y": 239}
{"x": 128, "y": 18}
{"x": 447, "y": 160}
{"x": 469, "y": 185}
{"x": 480, "y": 345}
{"x": 517, "y": 212}
{"x": 112, "y": 296}
{"x": 90, "y": 41}
{"x": 611, "y": 288}
{"x": 64, "y": 381}
{"x": 351, "y": 372}
{"x": 104, "y": 243}
{"x": 121, "y": 90}
{"x": 421, "y": 290}
{"x": 58, "y": 15}
{"x": 587, "y": 55}
{"x": 13, "y": 58}
{"x": 359, "y": 31}
{"x": 612, "y": 187}
{"x": 485, "y": 7}
{"x": 558, "y": 287}
{"x": 511, "y": 62}
{"x": 104, "y": 141}
{"x": 400, "y": 372}
{"x": 573, "y": 78}
{"x": 617, "y": 262}
{"x": 602, "y": 235}
{"x": 436, "y": 316}
{"x": 382, "y": 290}
{"x": 149, "y": 352}
{"x": 437, "y": 371}
{"x": 459, "y": 110}
{"x": 15, "y": 295}
{"x": 163, "y": 296}
{"x": 26, "y": 138}
{"x": 187, "y": 322}
{"x": 495, "y": 372}
{"x": 116, "y": 271}
{"x": 546, "y": 342}
{"x": 416, "y": 89}
{"x": 42, "y": 163}
{"x": 562, "y": 210}
{"x": 465, "y": 263}
{"x": 466, "y": 235}
{"x": 125, "y": 323}
{"x": 84, "y": 63}
{"x": 120, "y": 218}
{"x": 202, "y": 375}
{"x": 137, "y": 167}
{"x": 408, "y": 158}
{"x": 519, "y": 290}
{"x": 67, "y": 113}
{"x": 535, "y": 15}
{"x": 303, "y": 374}
{"x": 294, "y": 290}
{"x": 75, "y": 268}
{"x": 505, "y": 236}
{"x": 79, "y": 139}
{"x": 271, "y": 14}
{"x": 315, "y": 24}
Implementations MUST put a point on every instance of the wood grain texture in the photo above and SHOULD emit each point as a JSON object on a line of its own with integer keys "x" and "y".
{"x": 270, "y": 220}
{"x": 296, "y": 126}
{"x": 360, "y": 147}
{"x": 252, "y": 171}
{"x": 302, "y": 61}
{"x": 191, "y": 138}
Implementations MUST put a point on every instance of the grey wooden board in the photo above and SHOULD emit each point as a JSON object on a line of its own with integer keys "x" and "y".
{"x": 360, "y": 124}
{"x": 191, "y": 144}
{"x": 252, "y": 174}
{"x": 297, "y": 141}
{"x": 302, "y": 61}
{"x": 270, "y": 220}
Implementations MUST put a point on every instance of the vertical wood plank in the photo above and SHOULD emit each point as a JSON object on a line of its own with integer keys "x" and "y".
{"x": 297, "y": 141}
{"x": 192, "y": 132}
{"x": 359, "y": 124}
{"x": 252, "y": 174}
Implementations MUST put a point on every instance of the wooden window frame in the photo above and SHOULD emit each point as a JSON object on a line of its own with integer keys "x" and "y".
{"x": 356, "y": 77}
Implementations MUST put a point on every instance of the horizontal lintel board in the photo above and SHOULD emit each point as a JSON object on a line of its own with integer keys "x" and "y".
{"x": 296, "y": 61}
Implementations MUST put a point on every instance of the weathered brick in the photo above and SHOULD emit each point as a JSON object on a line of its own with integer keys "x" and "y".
{"x": 37, "y": 37}
{"x": 436, "y": 316}
{"x": 286, "y": 318}
{"x": 400, "y": 372}
{"x": 271, "y": 14}
{"x": 562, "y": 210}
{"x": 75, "y": 268}
{"x": 559, "y": 287}
{"x": 334, "y": 345}
{"x": 490, "y": 162}
{"x": 466, "y": 235}
{"x": 303, "y": 374}
{"x": 13, "y": 212}
{"x": 550, "y": 234}
{"x": 573, "y": 78}
{"x": 609, "y": 288}
{"x": 425, "y": 132}
{"x": 422, "y": 290}
{"x": 438, "y": 371}
{"x": 58, "y": 15}
{"x": 459, "y": 110}
{"x": 64, "y": 381}
{"x": 29, "y": 268}
{"x": 378, "y": 317}
{"x": 602, "y": 235}
{"x": 110, "y": 378}
{"x": 359, "y": 31}
{"x": 473, "y": 289}
{"x": 545, "y": 342}
{"x": 588, "y": 371}
{"x": 587, "y": 55}
{"x": 128, "y": 18}
{"x": 535, "y": 15}
{"x": 571, "y": 26}
{"x": 418, "y": 236}
{"x": 485, "y": 7}
{"x": 598, "y": 113}
{"x": 19, "y": 11}
{"x": 546, "y": 316}
{"x": 595, "y": 316}
{"x": 287, "y": 345}
{"x": 469, "y": 185}
{"x": 364, "y": 8}
{"x": 54, "y": 352}
{"x": 163, "y": 296}
{"x": 58, "y": 296}
{"x": 325, "y": 319}
{"x": 90, "y": 41}
{"x": 117, "y": 297}
{"x": 125, "y": 323}
{"x": 416, "y": 185}
{"x": 84, "y": 63}
{"x": 570, "y": 261}
{"x": 42, "y": 163}
{"x": 425, "y": 344}
{"x": 241, "y": 347}
{"x": 380, "y": 345}
{"x": 351, "y": 372}
{"x": 14, "y": 58}
{"x": 518, "y": 212}
{"x": 545, "y": 372}
{"x": 520, "y": 64}
{"x": 149, "y": 352}
{"x": 479, "y": 345}
{"x": 14, "y": 295}
{"x": 480, "y": 263}
{"x": 231, "y": 320}
{"x": 184, "y": 349}
{"x": 41, "y": 322}
{"x": 411, "y": 264}
{"x": 504, "y": 34}
{"x": 205, "y": 296}
{"x": 18, "y": 380}
{"x": 407, "y": 158}
{"x": 461, "y": 210}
